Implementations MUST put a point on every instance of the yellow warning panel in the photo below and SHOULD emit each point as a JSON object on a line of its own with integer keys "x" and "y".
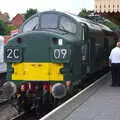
{"x": 37, "y": 71}
{"x": 55, "y": 71}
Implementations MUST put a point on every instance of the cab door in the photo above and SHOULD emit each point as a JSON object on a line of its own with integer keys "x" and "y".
{"x": 84, "y": 48}
{"x": 84, "y": 58}
{"x": 106, "y": 49}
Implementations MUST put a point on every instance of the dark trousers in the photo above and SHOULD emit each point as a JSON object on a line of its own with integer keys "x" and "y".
{"x": 115, "y": 69}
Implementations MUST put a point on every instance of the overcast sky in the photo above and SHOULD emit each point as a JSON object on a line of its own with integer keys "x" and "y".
{"x": 20, "y": 6}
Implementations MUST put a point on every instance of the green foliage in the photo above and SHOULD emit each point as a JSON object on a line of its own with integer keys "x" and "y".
{"x": 30, "y": 12}
{"x": 10, "y": 28}
{"x": 97, "y": 18}
{"x": 85, "y": 13}
{"x": 111, "y": 25}
{"x": 3, "y": 28}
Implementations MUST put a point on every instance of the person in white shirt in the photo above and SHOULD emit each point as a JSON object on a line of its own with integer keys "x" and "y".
{"x": 114, "y": 59}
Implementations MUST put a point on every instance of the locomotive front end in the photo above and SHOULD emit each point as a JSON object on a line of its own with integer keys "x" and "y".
{"x": 39, "y": 59}
{"x": 36, "y": 63}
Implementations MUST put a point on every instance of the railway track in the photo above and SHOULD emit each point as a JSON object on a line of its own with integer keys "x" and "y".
{"x": 7, "y": 110}
{"x": 24, "y": 116}
{"x": 2, "y": 78}
{"x": 7, "y": 105}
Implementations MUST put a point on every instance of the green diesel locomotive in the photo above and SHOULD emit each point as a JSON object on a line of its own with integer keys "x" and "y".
{"x": 53, "y": 52}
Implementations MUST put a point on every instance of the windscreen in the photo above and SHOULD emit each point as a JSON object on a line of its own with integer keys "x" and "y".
{"x": 67, "y": 25}
{"x": 54, "y": 21}
{"x": 49, "y": 21}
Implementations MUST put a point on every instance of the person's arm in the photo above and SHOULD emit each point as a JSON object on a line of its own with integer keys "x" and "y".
{"x": 110, "y": 57}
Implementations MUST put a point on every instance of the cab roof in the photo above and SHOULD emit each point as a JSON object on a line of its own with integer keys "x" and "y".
{"x": 89, "y": 23}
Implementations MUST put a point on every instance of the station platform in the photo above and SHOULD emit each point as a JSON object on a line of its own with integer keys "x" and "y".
{"x": 103, "y": 105}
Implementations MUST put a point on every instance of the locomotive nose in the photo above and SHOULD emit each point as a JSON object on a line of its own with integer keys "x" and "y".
{"x": 59, "y": 90}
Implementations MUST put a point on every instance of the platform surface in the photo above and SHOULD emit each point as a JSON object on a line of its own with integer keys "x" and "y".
{"x": 103, "y": 105}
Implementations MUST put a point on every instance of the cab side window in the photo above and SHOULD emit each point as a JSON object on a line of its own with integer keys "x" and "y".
{"x": 99, "y": 49}
{"x": 31, "y": 25}
{"x": 84, "y": 52}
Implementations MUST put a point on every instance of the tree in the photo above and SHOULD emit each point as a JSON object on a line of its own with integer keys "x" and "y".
{"x": 11, "y": 27}
{"x": 3, "y": 28}
{"x": 89, "y": 14}
{"x": 111, "y": 25}
{"x": 85, "y": 13}
{"x": 30, "y": 12}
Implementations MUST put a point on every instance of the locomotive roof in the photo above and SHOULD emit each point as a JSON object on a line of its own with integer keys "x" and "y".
{"x": 90, "y": 23}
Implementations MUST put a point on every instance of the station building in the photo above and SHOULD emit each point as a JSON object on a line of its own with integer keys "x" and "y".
{"x": 110, "y": 9}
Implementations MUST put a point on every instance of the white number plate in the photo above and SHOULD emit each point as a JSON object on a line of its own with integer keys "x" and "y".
{"x": 13, "y": 54}
{"x": 61, "y": 54}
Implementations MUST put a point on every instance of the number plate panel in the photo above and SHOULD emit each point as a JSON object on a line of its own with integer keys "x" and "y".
{"x": 13, "y": 54}
{"x": 60, "y": 54}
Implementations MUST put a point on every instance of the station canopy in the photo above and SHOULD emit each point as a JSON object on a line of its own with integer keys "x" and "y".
{"x": 109, "y": 9}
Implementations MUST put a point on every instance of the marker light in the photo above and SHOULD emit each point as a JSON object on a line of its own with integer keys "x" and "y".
{"x": 60, "y": 41}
